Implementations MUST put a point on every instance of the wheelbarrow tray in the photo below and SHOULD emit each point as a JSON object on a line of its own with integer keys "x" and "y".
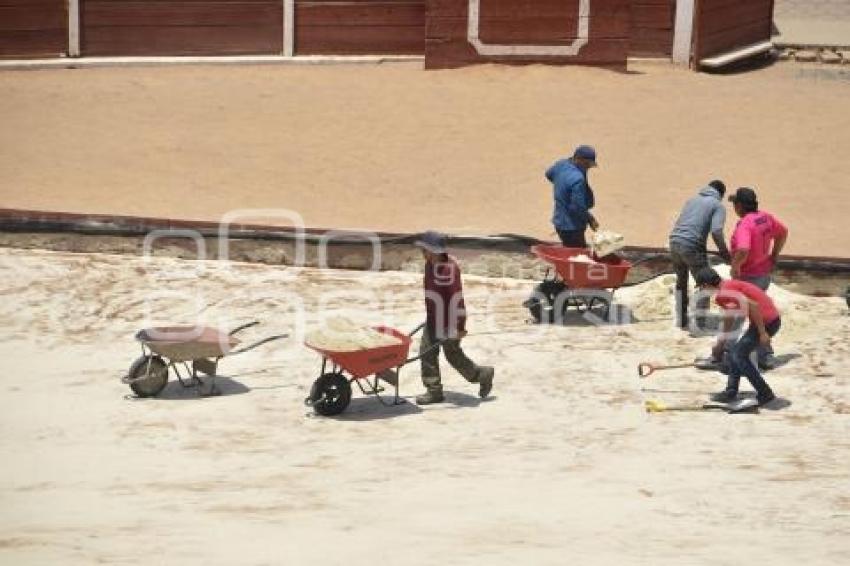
{"x": 187, "y": 343}
{"x": 608, "y": 272}
{"x": 363, "y": 363}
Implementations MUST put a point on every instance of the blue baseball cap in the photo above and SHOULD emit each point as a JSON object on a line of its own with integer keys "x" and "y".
{"x": 432, "y": 241}
{"x": 586, "y": 152}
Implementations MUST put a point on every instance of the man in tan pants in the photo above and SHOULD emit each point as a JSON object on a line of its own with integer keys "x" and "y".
{"x": 445, "y": 325}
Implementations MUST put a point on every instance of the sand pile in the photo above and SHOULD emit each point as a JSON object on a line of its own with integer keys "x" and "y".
{"x": 342, "y": 334}
{"x": 582, "y": 258}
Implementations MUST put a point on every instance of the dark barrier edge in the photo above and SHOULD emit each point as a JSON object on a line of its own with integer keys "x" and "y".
{"x": 34, "y": 221}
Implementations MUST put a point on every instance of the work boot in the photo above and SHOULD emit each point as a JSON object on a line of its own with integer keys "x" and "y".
{"x": 765, "y": 398}
{"x": 485, "y": 381}
{"x": 725, "y": 396}
{"x": 431, "y": 396}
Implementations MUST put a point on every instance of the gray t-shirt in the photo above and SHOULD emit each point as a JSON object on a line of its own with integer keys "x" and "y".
{"x": 702, "y": 215}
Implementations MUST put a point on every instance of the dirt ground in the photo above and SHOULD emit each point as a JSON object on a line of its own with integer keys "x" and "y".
{"x": 562, "y": 463}
{"x": 394, "y": 148}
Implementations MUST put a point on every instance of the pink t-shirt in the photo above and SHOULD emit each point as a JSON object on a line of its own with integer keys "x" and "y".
{"x": 755, "y": 232}
{"x": 730, "y": 298}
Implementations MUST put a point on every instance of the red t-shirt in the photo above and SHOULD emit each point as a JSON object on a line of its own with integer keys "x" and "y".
{"x": 755, "y": 232}
{"x": 444, "y": 306}
{"x": 732, "y": 294}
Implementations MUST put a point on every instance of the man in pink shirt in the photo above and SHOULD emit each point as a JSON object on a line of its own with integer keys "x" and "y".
{"x": 742, "y": 298}
{"x": 756, "y": 243}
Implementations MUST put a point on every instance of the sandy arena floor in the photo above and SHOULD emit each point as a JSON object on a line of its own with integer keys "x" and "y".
{"x": 561, "y": 466}
{"x": 394, "y": 148}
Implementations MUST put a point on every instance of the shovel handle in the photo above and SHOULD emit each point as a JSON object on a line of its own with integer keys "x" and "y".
{"x": 645, "y": 369}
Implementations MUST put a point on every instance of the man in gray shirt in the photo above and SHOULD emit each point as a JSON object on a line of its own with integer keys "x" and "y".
{"x": 702, "y": 215}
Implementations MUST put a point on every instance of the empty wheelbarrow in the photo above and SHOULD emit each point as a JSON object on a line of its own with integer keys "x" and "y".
{"x": 197, "y": 349}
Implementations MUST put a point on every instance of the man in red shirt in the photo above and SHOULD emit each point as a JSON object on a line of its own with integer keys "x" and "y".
{"x": 445, "y": 324}
{"x": 737, "y": 298}
{"x": 756, "y": 243}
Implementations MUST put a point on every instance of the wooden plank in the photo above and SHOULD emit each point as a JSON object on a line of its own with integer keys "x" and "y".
{"x": 363, "y": 40}
{"x": 97, "y": 13}
{"x": 204, "y": 40}
{"x": 33, "y": 43}
{"x": 365, "y": 27}
{"x": 725, "y": 25}
{"x": 548, "y": 31}
{"x": 33, "y": 28}
{"x": 36, "y": 16}
{"x": 736, "y": 37}
{"x": 361, "y": 14}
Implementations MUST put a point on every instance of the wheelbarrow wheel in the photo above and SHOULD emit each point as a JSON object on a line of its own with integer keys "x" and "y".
{"x": 330, "y": 394}
{"x": 148, "y": 384}
{"x": 541, "y": 302}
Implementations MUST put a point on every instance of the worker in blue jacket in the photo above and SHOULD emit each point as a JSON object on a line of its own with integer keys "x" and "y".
{"x": 573, "y": 196}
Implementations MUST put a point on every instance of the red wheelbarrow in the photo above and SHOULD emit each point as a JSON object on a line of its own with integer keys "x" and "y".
{"x": 163, "y": 348}
{"x": 575, "y": 284}
{"x": 331, "y": 392}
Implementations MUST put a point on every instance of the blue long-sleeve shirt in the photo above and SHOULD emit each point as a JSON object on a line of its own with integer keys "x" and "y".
{"x": 573, "y": 196}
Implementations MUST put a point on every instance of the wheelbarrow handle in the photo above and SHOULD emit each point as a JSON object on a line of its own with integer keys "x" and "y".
{"x": 645, "y": 369}
{"x": 258, "y": 343}
{"x": 417, "y": 329}
{"x": 243, "y": 327}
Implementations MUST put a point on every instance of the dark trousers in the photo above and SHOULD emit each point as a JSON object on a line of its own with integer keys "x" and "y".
{"x": 454, "y": 354}
{"x": 687, "y": 259}
{"x": 572, "y": 238}
{"x": 763, "y": 283}
{"x": 741, "y": 364}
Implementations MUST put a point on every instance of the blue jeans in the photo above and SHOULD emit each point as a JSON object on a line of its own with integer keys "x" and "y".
{"x": 742, "y": 365}
{"x": 762, "y": 282}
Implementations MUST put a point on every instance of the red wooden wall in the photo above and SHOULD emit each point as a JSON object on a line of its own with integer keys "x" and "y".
{"x": 360, "y": 27}
{"x": 725, "y": 25}
{"x": 181, "y": 27}
{"x": 33, "y": 28}
{"x": 538, "y": 23}
{"x": 652, "y": 28}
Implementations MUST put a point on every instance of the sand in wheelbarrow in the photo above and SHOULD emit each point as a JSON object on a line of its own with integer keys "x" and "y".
{"x": 340, "y": 334}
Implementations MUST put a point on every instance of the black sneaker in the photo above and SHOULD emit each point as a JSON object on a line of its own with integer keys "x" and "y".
{"x": 724, "y": 396}
{"x": 765, "y": 399}
{"x": 485, "y": 382}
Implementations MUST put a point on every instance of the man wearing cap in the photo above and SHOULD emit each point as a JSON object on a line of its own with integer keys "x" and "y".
{"x": 702, "y": 215}
{"x": 756, "y": 243}
{"x": 445, "y": 324}
{"x": 745, "y": 298}
{"x": 573, "y": 196}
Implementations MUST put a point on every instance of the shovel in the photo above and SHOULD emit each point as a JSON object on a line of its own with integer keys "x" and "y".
{"x": 645, "y": 369}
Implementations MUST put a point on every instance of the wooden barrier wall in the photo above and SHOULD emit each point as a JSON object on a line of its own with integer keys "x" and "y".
{"x": 181, "y": 27}
{"x": 652, "y": 28}
{"x": 360, "y": 27}
{"x": 527, "y": 31}
{"x": 725, "y": 25}
{"x": 33, "y": 28}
